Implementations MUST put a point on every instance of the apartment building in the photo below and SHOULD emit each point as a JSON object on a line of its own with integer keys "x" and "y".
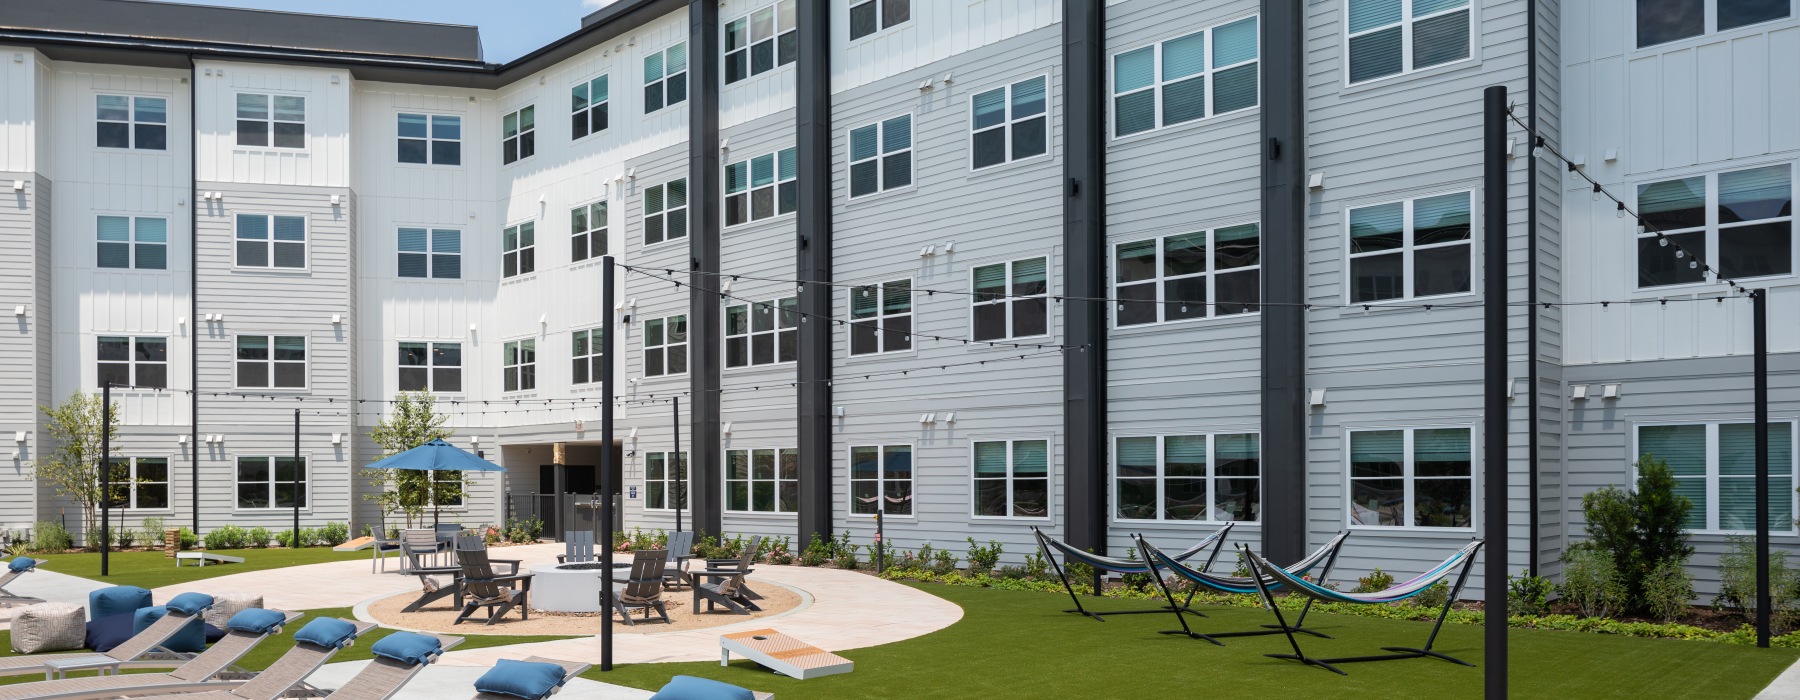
{"x": 1094, "y": 267}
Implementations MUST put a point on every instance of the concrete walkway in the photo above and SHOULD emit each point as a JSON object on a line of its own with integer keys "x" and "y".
{"x": 443, "y": 682}
{"x": 1785, "y": 687}
{"x": 52, "y": 587}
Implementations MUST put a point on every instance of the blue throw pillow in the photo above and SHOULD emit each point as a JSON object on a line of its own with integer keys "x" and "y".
{"x": 407, "y": 647}
{"x": 104, "y": 633}
{"x": 107, "y": 602}
{"x": 190, "y": 638}
{"x": 692, "y": 688}
{"x": 22, "y": 564}
{"x": 191, "y": 603}
{"x": 530, "y": 680}
{"x": 328, "y": 632}
{"x": 257, "y": 620}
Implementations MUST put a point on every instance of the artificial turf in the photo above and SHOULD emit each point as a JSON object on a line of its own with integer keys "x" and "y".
{"x": 1017, "y": 644}
{"x": 153, "y": 569}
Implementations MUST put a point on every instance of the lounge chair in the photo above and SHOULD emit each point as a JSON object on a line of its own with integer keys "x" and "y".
{"x": 140, "y": 651}
{"x": 694, "y": 686}
{"x": 482, "y": 588}
{"x": 1214, "y": 541}
{"x": 1458, "y": 563}
{"x": 681, "y": 548}
{"x": 725, "y": 586}
{"x": 18, "y": 567}
{"x": 578, "y": 548}
{"x": 1198, "y": 578}
{"x": 385, "y": 676}
{"x": 272, "y": 683}
{"x": 198, "y": 672}
{"x": 643, "y": 591}
{"x": 571, "y": 669}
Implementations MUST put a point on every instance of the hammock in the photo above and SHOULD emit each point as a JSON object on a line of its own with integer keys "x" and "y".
{"x": 1214, "y": 541}
{"x": 1458, "y": 563}
{"x": 1326, "y": 555}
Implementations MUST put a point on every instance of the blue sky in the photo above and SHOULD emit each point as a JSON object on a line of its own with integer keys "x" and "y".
{"x": 509, "y": 28}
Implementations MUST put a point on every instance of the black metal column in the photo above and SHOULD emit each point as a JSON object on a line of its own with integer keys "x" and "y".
{"x": 1084, "y": 266}
{"x": 1759, "y": 332}
{"x": 105, "y": 476}
{"x": 608, "y": 297}
{"x": 704, "y": 312}
{"x": 812, "y": 116}
{"x": 298, "y": 542}
{"x": 1494, "y": 409}
{"x": 1284, "y": 281}
{"x": 1531, "y": 292}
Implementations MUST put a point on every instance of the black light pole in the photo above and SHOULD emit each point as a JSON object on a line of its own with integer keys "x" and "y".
{"x": 606, "y": 457}
{"x": 1494, "y": 410}
{"x": 1759, "y": 333}
{"x": 676, "y": 463}
{"x": 105, "y": 473}
{"x": 297, "y": 542}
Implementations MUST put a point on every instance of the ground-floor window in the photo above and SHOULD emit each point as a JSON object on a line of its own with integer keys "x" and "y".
{"x": 269, "y": 482}
{"x": 762, "y": 480}
{"x": 1412, "y": 477}
{"x": 139, "y": 482}
{"x": 1211, "y": 477}
{"x": 1012, "y": 478}
{"x": 1714, "y": 465}
{"x": 881, "y": 479}
{"x": 665, "y": 480}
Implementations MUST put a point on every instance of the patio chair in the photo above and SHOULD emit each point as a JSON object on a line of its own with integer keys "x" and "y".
{"x": 378, "y": 681}
{"x": 1198, "y": 578}
{"x": 725, "y": 586}
{"x": 380, "y": 548}
{"x": 681, "y": 548}
{"x": 199, "y": 672}
{"x": 141, "y": 650}
{"x": 1214, "y": 541}
{"x": 643, "y": 590}
{"x": 571, "y": 669}
{"x": 433, "y": 590}
{"x": 482, "y": 588}
{"x": 578, "y": 547}
{"x": 419, "y": 546}
{"x": 1458, "y": 563}
{"x": 752, "y": 548}
{"x": 18, "y": 567}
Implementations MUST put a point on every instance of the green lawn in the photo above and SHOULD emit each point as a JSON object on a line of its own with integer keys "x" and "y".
{"x": 152, "y": 569}
{"x": 1017, "y": 644}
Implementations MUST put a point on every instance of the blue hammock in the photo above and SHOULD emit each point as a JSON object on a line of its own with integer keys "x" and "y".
{"x": 1214, "y": 541}
{"x": 1197, "y": 578}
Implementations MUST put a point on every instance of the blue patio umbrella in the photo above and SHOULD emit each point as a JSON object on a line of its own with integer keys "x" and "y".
{"x": 433, "y": 456}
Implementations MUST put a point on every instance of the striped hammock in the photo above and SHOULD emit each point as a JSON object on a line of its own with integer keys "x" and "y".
{"x": 1396, "y": 592}
{"x": 1127, "y": 566}
{"x": 1241, "y": 584}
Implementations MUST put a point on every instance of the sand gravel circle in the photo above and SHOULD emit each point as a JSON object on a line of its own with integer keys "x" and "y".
{"x": 440, "y": 615}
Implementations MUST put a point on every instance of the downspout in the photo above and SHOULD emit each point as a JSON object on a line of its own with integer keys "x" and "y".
{"x": 194, "y": 289}
{"x": 1531, "y": 293}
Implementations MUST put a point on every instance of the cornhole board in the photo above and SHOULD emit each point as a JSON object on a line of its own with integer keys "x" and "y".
{"x": 783, "y": 654}
{"x": 356, "y": 545}
{"x": 201, "y": 558}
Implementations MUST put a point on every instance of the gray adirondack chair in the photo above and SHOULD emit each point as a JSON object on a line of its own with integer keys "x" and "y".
{"x": 680, "y": 548}
{"x": 578, "y": 547}
{"x": 643, "y": 591}
{"x": 482, "y": 588}
{"x": 725, "y": 586}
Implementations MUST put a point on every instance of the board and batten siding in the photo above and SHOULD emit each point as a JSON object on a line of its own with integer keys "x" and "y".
{"x": 25, "y": 219}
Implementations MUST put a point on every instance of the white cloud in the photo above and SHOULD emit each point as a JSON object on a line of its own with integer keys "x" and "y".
{"x": 595, "y": 4}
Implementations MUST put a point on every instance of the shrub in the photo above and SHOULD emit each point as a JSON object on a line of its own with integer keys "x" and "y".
{"x": 127, "y": 537}
{"x": 1012, "y": 573}
{"x": 1434, "y": 596}
{"x": 1037, "y": 567}
{"x": 1528, "y": 595}
{"x": 50, "y": 537}
{"x": 226, "y": 537}
{"x": 1375, "y": 582}
{"x": 817, "y": 552}
{"x": 1668, "y": 590}
{"x": 779, "y": 552}
{"x": 153, "y": 530}
{"x": 943, "y": 562}
{"x": 1642, "y": 529}
{"x": 1136, "y": 581}
{"x": 1737, "y": 583}
{"x": 188, "y": 540}
{"x": 257, "y": 537}
{"x": 334, "y": 534}
{"x": 845, "y": 556}
{"x": 983, "y": 559}
{"x": 1591, "y": 582}
{"x": 308, "y": 537}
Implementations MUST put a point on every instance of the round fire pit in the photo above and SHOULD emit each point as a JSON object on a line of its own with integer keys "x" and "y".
{"x": 572, "y": 587}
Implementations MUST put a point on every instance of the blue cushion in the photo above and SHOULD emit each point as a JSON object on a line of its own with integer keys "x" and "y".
{"x": 692, "y": 688}
{"x": 328, "y": 632}
{"x": 104, "y": 633}
{"x": 191, "y": 603}
{"x": 407, "y": 647}
{"x": 257, "y": 620}
{"x": 107, "y": 602}
{"x": 190, "y": 638}
{"x": 22, "y": 564}
{"x": 530, "y": 680}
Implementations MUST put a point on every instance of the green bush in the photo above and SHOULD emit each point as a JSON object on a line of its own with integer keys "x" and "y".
{"x": 226, "y": 537}
{"x": 153, "y": 530}
{"x": 1640, "y": 530}
{"x": 983, "y": 559}
{"x": 188, "y": 540}
{"x": 1668, "y": 590}
{"x": 1136, "y": 581}
{"x": 50, "y": 537}
{"x": 1037, "y": 568}
{"x": 1376, "y": 582}
{"x": 843, "y": 553}
{"x": 1528, "y": 595}
{"x": 1591, "y": 582}
{"x": 257, "y": 537}
{"x": 943, "y": 563}
{"x": 308, "y": 538}
{"x": 127, "y": 537}
{"x": 1737, "y": 583}
{"x": 817, "y": 552}
{"x": 779, "y": 551}
{"x": 334, "y": 534}
{"x": 1433, "y": 596}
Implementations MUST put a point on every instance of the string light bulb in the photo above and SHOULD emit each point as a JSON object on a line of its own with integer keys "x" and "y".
{"x": 1679, "y": 253}
{"x": 1664, "y": 242}
{"x": 1620, "y": 211}
{"x": 1537, "y": 151}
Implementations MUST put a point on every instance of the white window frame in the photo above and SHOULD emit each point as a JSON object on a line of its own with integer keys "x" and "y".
{"x": 750, "y": 480}
{"x": 1011, "y": 462}
{"x": 1161, "y": 478}
{"x": 881, "y": 315}
{"x": 1712, "y": 227}
{"x": 134, "y": 242}
{"x": 508, "y": 351}
{"x": 1009, "y": 299}
{"x": 132, "y": 482}
{"x": 132, "y": 363}
{"x": 881, "y": 480}
{"x": 880, "y": 159}
{"x": 269, "y": 121}
{"x": 1161, "y": 279}
{"x": 1406, "y": 40}
{"x": 1713, "y": 477}
{"x": 517, "y": 139}
{"x": 595, "y": 339}
{"x": 880, "y": 13}
{"x": 1409, "y": 480}
{"x": 1158, "y": 82}
{"x": 271, "y": 362}
{"x": 776, "y": 17}
{"x": 431, "y": 252}
{"x": 661, "y": 82}
{"x": 669, "y": 481}
{"x": 1010, "y": 122}
{"x": 662, "y": 214}
{"x": 520, "y": 250}
{"x": 589, "y": 106}
{"x": 1710, "y": 28}
{"x": 597, "y": 215}
{"x": 1407, "y": 249}
{"x": 778, "y": 312}
{"x": 131, "y": 121}
{"x": 306, "y": 482}
{"x": 687, "y": 339}
{"x": 270, "y": 242}
{"x": 431, "y": 366}
{"x": 749, "y": 189}
{"x": 431, "y": 139}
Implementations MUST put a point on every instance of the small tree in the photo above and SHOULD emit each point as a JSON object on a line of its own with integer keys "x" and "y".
{"x": 1640, "y": 530}
{"x": 74, "y": 467}
{"x": 413, "y": 422}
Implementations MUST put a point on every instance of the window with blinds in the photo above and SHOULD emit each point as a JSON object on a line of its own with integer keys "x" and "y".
{"x": 430, "y": 139}
{"x": 665, "y": 78}
{"x": 430, "y": 253}
{"x": 1413, "y": 477}
{"x": 1011, "y": 300}
{"x": 763, "y": 333}
{"x": 762, "y": 480}
{"x": 665, "y": 480}
{"x": 1714, "y": 465}
{"x": 881, "y": 317}
{"x": 1739, "y": 222}
{"x": 518, "y": 250}
{"x": 277, "y": 242}
{"x": 881, "y": 480}
{"x": 1394, "y": 37}
{"x": 1204, "y": 274}
{"x": 588, "y": 107}
{"x": 1411, "y": 249}
{"x": 762, "y": 187}
{"x": 1011, "y": 478}
{"x": 665, "y": 212}
{"x": 128, "y": 121}
{"x": 271, "y": 121}
{"x": 1207, "y": 73}
{"x": 1663, "y": 21}
{"x": 881, "y": 156}
{"x": 132, "y": 242}
{"x": 762, "y": 40}
{"x": 1208, "y": 477}
{"x": 1009, "y": 123}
